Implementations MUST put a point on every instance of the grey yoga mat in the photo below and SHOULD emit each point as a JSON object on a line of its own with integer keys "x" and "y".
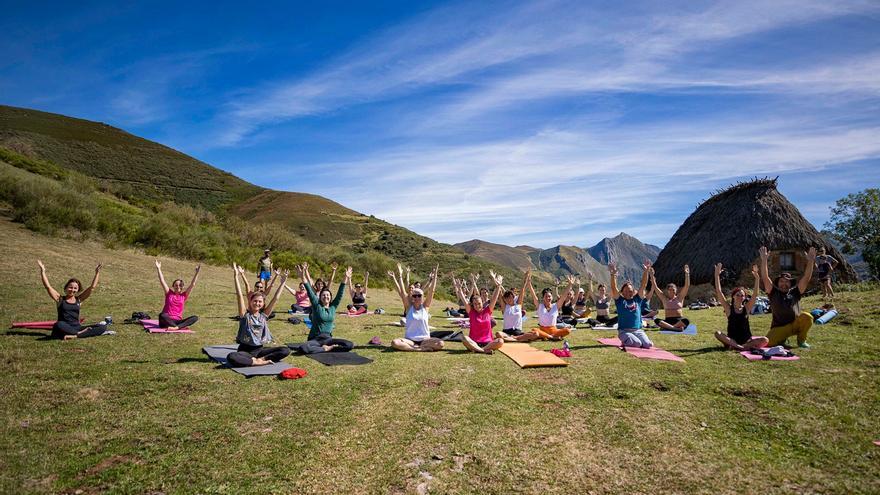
{"x": 337, "y": 358}
{"x": 219, "y": 352}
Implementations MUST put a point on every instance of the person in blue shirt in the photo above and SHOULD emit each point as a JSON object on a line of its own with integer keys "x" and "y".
{"x": 629, "y": 309}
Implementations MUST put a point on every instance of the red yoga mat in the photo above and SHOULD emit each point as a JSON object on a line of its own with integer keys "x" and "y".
{"x": 652, "y": 353}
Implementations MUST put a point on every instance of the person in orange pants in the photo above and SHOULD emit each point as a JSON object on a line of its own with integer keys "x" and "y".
{"x": 548, "y": 311}
{"x": 788, "y": 319}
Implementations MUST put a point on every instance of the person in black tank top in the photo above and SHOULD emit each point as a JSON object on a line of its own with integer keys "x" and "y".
{"x": 739, "y": 335}
{"x": 68, "y": 326}
{"x": 358, "y": 294}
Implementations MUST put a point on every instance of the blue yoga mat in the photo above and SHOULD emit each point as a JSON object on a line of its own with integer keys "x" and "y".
{"x": 688, "y": 330}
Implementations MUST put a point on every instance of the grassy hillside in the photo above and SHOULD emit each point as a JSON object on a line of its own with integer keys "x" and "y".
{"x": 144, "y": 175}
{"x": 143, "y": 168}
{"x": 554, "y": 262}
{"x": 136, "y": 413}
{"x": 498, "y": 253}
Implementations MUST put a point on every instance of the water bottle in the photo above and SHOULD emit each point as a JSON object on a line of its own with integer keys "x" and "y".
{"x": 565, "y": 345}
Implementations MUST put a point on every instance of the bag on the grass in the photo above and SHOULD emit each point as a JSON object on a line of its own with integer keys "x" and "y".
{"x": 136, "y": 317}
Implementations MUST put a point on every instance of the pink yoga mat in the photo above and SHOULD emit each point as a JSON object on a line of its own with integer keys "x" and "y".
{"x": 652, "y": 353}
{"x": 37, "y": 325}
{"x": 152, "y": 326}
{"x": 355, "y": 316}
{"x": 877, "y": 442}
{"x": 755, "y": 357}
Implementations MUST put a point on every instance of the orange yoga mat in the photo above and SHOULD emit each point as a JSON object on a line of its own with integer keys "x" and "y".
{"x": 527, "y": 356}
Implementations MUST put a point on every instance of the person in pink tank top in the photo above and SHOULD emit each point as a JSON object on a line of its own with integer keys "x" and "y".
{"x": 171, "y": 316}
{"x": 480, "y": 338}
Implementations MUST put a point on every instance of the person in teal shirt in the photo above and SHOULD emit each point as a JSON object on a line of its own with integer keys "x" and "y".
{"x": 323, "y": 312}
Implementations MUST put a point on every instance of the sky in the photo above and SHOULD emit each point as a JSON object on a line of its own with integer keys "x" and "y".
{"x": 537, "y": 123}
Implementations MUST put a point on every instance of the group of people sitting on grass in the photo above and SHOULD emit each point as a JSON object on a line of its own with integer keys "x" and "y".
{"x": 255, "y": 308}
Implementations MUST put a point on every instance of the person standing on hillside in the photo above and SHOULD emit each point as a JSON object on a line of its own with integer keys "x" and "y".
{"x": 265, "y": 266}
{"x": 171, "y": 316}
{"x": 788, "y": 319}
{"x": 824, "y": 267}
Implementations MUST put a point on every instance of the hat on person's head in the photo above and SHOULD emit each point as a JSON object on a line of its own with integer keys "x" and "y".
{"x": 785, "y": 275}
{"x": 267, "y": 250}
{"x": 581, "y": 290}
{"x": 358, "y": 286}
{"x": 416, "y": 290}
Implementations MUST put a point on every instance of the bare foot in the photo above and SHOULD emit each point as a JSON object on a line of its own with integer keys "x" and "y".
{"x": 261, "y": 362}
{"x": 69, "y": 337}
{"x": 173, "y": 328}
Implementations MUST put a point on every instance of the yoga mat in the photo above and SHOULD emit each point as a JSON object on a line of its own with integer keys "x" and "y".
{"x": 688, "y": 330}
{"x": 152, "y": 326}
{"x": 755, "y": 357}
{"x": 339, "y": 358}
{"x": 219, "y": 352}
{"x": 527, "y": 356}
{"x": 877, "y": 442}
{"x": 37, "y": 325}
{"x": 652, "y": 353}
{"x": 604, "y": 327}
{"x": 826, "y": 317}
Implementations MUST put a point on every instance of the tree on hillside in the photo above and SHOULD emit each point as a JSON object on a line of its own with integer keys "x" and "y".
{"x": 855, "y": 221}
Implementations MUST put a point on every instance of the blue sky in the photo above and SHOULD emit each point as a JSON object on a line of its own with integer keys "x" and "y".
{"x": 519, "y": 123}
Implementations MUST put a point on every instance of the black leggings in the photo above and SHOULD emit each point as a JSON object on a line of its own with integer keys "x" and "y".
{"x": 62, "y": 328}
{"x": 315, "y": 346}
{"x": 245, "y": 355}
{"x": 166, "y": 321}
{"x": 672, "y": 320}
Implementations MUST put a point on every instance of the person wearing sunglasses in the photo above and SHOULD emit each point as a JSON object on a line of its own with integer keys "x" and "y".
{"x": 358, "y": 294}
{"x": 416, "y": 306}
{"x": 739, "y": 336}
{"x": 171, "y": 316}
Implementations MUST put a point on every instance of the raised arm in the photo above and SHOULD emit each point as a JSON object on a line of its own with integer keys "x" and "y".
{"x": 527, "y": 281}
{"x": 432, "y": 286}
{"x": 239, "y": 271}
{"x": 194, "y": 280}
{"x": 51, "y": 290}
{"x": 366, "y": 282}
{"x": 590, "y": 290}
{"x": 562, "y": 301}
{"x": 765, "y": 273}
{"x": 719, "y": 294}
{"x": 347, "y": 281}
{"x": 403, "y": 297}
{"x": 754, "y": 298}
{"x": 267, "y": 310}
{"x": 334, "y": 266}
{"x": 271, "y": 283}
{"x": 498, "y": 279}
{"x": 474, "y": 287}
{"x": 612, "y": 270}
{"x": 644, "y": 284}
{"x": 239, "y": 297}
{"x": 659, "y": 293}
{"x": 313, "y": 298}
{"x": 305, "y": 275}
{"x": 88, "y": 292}
{"x": 162, "y": 281}
{"x": 804, "y": 282}
{"x": 461, "y": 295}
{"x": 687, "y": 284}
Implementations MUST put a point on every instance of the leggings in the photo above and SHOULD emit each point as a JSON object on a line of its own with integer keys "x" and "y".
{"x": 551, "y": 333}
{"x": 634, "y": 338}
{"x": 672, "y": 320}
{"x": 245, "y": 355}
{"x": 300, "y": 309}
{"x": 166, "y": 321}
{"x": 357, "y": 309}
{"x": 62, "y": 328}
{"x": 315, "y": 346}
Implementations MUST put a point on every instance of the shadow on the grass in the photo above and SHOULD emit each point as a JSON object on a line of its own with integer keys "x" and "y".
{"x": 23, "y": 333}
{"x": 695, "y": 352}
{"x": 192, "y": 360}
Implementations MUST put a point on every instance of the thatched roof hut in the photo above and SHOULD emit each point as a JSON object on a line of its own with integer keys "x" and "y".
{"x": 729, "y": 228}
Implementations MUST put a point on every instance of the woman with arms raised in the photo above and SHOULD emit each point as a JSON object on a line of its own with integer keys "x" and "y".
{"x": 253, "y": 329}
{"x": 68, "y": 324}
{"x": 673, "y": 303}
{"x": 629, "y": 309}
{"x": 739, "y": 335}
{"x": 548, "y": 311}
{"x": 358, "y": 294}
{"x": 171, "y": 316}
{"x": 416, "y": 305}
{"x": 513, "y": 315}
{"x": 479, "y": 338}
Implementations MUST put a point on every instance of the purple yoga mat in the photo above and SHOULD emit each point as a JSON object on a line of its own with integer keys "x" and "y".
{"x": 652, "y": 353}
{"x": 152, "y": 326}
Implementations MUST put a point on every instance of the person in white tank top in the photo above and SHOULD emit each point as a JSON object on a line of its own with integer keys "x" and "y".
{"x": 416, "y": 306}
{"x": 513, "y": 316}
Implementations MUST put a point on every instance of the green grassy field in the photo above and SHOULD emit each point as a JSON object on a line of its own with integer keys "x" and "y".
{"x": 136, "y": 413}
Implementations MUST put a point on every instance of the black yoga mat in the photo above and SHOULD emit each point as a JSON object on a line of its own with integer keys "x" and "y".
{"x": 219, "y": 352}
{"x": 338, "y": 358}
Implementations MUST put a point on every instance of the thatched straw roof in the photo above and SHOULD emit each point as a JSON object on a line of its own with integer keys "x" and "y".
{"x": 730, "y": 226}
